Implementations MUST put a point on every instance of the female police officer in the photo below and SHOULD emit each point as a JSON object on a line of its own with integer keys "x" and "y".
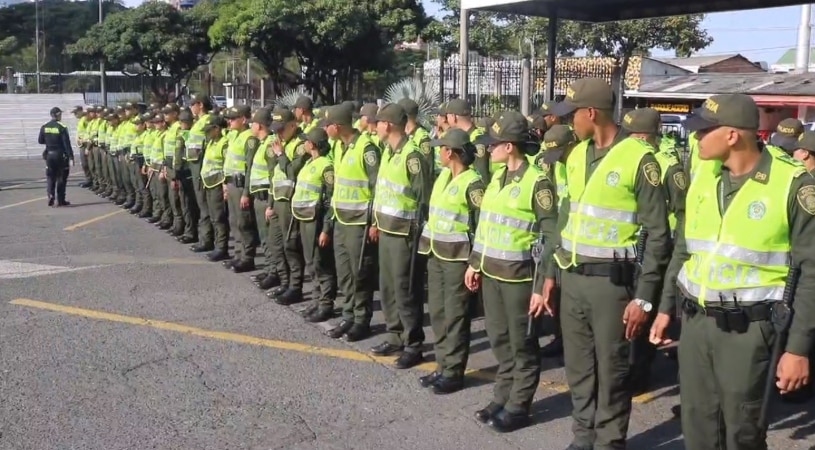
{"x": 518, "y": 205}
{"x": 446, "y": 240}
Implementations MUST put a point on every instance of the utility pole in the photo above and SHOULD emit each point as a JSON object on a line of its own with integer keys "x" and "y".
{"x": 37, "y": 39}
{"x": 804, "y": 49}
{"x": 102, "y": 87}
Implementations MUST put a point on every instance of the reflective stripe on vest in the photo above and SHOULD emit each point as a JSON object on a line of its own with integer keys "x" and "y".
{"x": 446, "y": 232}
{"x": 259, "y": 174}
{"x": 169, "y": 143}
{"x": 395, "y": 208}
{"x": 602, "y": 219}
{"x": 235, "y": 155}
{"x": 310, "y": 189}
{"x": 196, "y": 138}
{"x": 137, "y": 144}
{"x": 212, "y": 169}
{"x": 743, "y": 256}
{"x": 507, "y": 227}
{"x": 282, "y": 186}
{"x": 352, "y": 192}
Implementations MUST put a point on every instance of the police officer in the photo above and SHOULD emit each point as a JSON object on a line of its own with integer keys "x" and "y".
{"x": 786, "y": 136}
{"x": 127, "y": 134}
{"x": 143, "y": 205}
{"x": 290, "y": 156}
{"x": 183, "y": 178}
{"x": 751, "y": 218}
{"x": 58, "y": 152}
{"x": 518, "y": 208}
{"x": 367, "y": 120}
{"x": 607, "y": 289}
{"x": 355, "y": 174}
{"x": 304, "y": 113}
{"x": 558, "y": 142}
{"x": 82, "y": 121}
{"x": 446, "y": 240}
{"x": 165, "y": 213}
{"x": 644, "y": 124}
{"x": 169, "y": 145}
{"x": 459, "y": 115}
{"x": 200, "y": 106}
{"x": 418, "y": 135}
{"x": 237, "y": 166}
{"x": 549, "y": 118}
{"x": 400, "y": 201}
{"x": 213, "y": 179}
{"x": 804, "y": 151}
{"x": 311, "y": 207}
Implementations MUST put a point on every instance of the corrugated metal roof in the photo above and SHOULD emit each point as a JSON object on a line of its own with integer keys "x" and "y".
{"x": 698, "y": 61}
{"x": 731, "y": 83}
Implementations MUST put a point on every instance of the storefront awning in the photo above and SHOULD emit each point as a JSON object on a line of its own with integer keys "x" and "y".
{"x": 784, "y": 100}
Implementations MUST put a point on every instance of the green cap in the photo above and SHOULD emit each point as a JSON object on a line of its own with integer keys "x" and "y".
{"x": 509, "y": 126}
{"x": 536, "y": 121}
{"x": 411, "y": 107}
{"x": 458, "y": 107}
{"x": 485, "y": 122}
{"x": 201, "y": 98}
{"x": 642, "y": 120}
{"x": 76, "y": 109}
{"x": 146, "y": 117}
{"x": 392, "y": 113}
{"x": 215, "y": 122}
{"x": 280, "y": 117}
{"x": 724, "y": 110}
{"x": 170, "y": 108}
{"x": 157, "y": 118}
{"x": 547, "y": 107}
{"x": 338, "y": 115}
{"x": 454, "y": 138}
{"x": 316, "y": 135}
{"x": 805, "y": 142}
{"x": 303, "y": 102}
{"x": 786, "y": 134}
{"x": 585, "y": 93}
{"x": 556, "y": 140}
{"x": 186, "y": 116}
{"x": 238, "y": 111}
{"x": 369, "y": 110}
{"x": 263, "y": 116}
{"x": 440, "y": 110}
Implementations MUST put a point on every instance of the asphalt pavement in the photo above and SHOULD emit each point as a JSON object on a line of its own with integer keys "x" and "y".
{"x": 115, "y": 336}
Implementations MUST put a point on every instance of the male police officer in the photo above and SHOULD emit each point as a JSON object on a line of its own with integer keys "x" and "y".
{"x": 750, "y": 221}
{"x": 54, "y": 136}
{"x": 459, "y": 115}
{"x": 786, "y": 134}
{"x": 609, "y": 285}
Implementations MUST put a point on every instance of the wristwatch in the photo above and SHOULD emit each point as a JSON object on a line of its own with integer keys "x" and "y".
{"x": 645, "y": 306}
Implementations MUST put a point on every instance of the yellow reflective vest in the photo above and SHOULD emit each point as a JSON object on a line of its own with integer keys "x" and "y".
{"x": 447, "y": 231}
{"x": 259, "y": 174}
{"x": 235, "y": 157}
{"x": 742, "y": 255}
{"x": 212, "y": 168}
{"x": 196, "y": 138}
{"x": 603, "y": 213}
{"x": 352, "y": 192}
{"x": 310, "y": 189}
{"x": 395, "y": 208}
{"x": 282, "y": 186}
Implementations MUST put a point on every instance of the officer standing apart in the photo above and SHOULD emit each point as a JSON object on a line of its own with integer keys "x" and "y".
{"x": 237, "y": 166}
{"x": 311, "y": 207}
{"x": 446, "y": 240}
{"x": 400, "y": 202}
{"x": 355, "y": 173}
{"x": 750, "y": 221}
{"x": 614, "y": 190}
{"x": 54, "y": 136}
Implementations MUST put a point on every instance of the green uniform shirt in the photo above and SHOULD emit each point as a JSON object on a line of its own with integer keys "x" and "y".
{"x": 801, "y": 213}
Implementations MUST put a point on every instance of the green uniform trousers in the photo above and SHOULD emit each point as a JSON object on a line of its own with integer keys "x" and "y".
{"x": 261, "y": 201}
{"x": 357, "y": 286}
{"x": 596, "y": 357}
{"x": 92, "y": 155}
{"x": 142, "y": 197}
{"x": 292, "y": 249}
{"x": 104, "y": 172}
{"x": 506, "y": 308}
{"x": 113, "y": 175}
{"x": 449, "y": 304}
{"x": 244, "y": 224}
{"x": 85, "y": 161}
{"x": 188, "y": 203}
{"x": 125, "y": 169}
{"x": 218, "y": 217}
{"x": 721, "y": 384}
{"x": 99, "y": 182}
{"x": 205, "y": 232}
{"x": 174, "y": 199}
{"x": 320, "y": 264}
{"x": 164, "y": 193}
{"x": 403, "y": 313}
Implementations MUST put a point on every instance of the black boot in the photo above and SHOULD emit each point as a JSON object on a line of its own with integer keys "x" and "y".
{"x": 289, "y": 297}
{"x": 322, "y": 314}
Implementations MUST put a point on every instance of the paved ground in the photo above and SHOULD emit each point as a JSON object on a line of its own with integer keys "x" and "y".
{"x": 114, "y": 336}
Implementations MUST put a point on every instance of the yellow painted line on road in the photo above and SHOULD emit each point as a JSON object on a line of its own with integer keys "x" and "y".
{"x": 24, "y": 203}
{"x": 483, "y": 374}
{"x": 93, "y": 220}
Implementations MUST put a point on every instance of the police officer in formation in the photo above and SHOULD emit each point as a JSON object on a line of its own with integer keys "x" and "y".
{"x": 57, "y": 154}
{"x": 600, "y": 206}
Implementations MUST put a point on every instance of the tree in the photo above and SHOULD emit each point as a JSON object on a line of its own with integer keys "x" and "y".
{"x": 320, "y": 42}
{"x": 154, "y": 40}
{"x": 624, "y": 39}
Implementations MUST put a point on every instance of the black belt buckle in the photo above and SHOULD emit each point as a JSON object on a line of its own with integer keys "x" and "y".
{"x": 731, "y": 319}
{"x": 621, "y": 273}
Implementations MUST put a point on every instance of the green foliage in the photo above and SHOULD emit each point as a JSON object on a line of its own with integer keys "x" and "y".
{"x": 155, "y": 38}
{"x": 425, "y": 94}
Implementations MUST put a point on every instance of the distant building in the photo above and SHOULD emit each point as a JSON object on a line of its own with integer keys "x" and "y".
{"x": 178, "y": 4}
{"x": 4, "y": 3}
{"x": 786, "y": 63}
{"x": 734, "y": 63}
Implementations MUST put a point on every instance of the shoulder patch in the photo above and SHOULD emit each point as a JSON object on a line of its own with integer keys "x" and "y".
{"x": 476, "y": 196}
{"x": 252, "y": 144}
{"x": 301, "y": 149}
{"x": 328, "y": 177}
{"x": 414, "y": 166}
{"x": 480, "y": 150}
{"x": 806, "y": 198}
{"x": 370, "y": 158}
{"x": 545, "y": 199}
{"x": 680, "y": 180}
{"x": 425, "y": 148}
{"x": 652, "y": 173}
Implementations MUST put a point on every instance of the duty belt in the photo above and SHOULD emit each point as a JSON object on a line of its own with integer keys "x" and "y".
{"x": 591, "y": 269}
{"x": 735, "y": 318}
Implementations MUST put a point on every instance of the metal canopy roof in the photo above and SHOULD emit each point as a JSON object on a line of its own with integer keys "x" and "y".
{"x": 611, "y": 10}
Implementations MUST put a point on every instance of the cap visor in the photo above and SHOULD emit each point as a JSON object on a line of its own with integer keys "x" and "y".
{"x": 561, "y": 109}
{"x": 322, "y": 123}
{"x": 486, "y": 139}
{"x": 276, "y": 126}
{"x": 437, "y": 142}
{"x": 696, "y": 122}
{"x": 552, "y": 156}
{"x": 302, "y": 136}
{"x": 788, "y": 143}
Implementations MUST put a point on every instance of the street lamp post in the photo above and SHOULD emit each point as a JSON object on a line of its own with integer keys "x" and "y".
{"x": 102, "y": 87}
{"x": 37, "y": 39}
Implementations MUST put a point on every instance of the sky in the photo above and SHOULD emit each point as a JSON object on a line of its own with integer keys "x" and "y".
{"x": 759, "y": 35}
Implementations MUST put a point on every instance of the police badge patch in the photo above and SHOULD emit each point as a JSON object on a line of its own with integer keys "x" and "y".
{"x": 328, "y": 176}
{"x": 545, "y": 199}
{"x": 425, "y": 148}
{"x": 453, "y": 190}
{"x": 370, "y": 158}
{"x": 613, "y": 179}
{"x": 515, "y": 192}
{"x": 680, "y": 180}
{"x": 756, "y": 210}
{"x": 414, "y": 166}
{"x": 480, "y": 150}
{"x": 806, "y": 198}
{"x": 652, "y": 174}
{"x": 476, "y": 196}
{"x": 301, "y": 149}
